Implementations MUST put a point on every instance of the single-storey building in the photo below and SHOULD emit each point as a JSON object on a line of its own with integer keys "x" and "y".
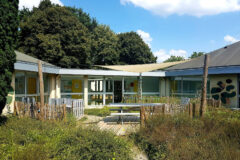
{"x": 101, "y": 87}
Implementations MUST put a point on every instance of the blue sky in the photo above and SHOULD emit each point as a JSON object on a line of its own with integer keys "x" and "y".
{"x": 176, "y": 27}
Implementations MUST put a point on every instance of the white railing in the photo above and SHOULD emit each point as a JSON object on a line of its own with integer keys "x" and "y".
{"x": 76, "y": 106}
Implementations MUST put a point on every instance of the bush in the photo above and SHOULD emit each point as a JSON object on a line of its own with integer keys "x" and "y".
{"x": 215, "y": 136}
{"x": 8, "y": 38}
{"x": 32, "y": 139}
{"x": 102, "y": 112}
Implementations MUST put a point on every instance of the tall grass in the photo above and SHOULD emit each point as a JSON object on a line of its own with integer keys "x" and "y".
{"x": 29, "y": 139}
{"x": 215, "y": 136}
{"x": 152, "y": 99}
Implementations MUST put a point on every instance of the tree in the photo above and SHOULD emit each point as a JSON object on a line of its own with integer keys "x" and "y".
{"x": 53, "y": 34}
{"x": 133, "y": 50}
{"x": 104, "y": 46}
{"x": 174, "y": 59}
{"x": 196, "y": 54}
{"x": 8, "y": 37}
{"x": 84, "y": 18}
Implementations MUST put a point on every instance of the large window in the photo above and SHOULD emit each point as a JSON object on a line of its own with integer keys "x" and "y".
{"x": 150, "y": 84}
{"x": 95, "y": 85}
{"x": 72, "y": 87}
{"x": 187, "y": 86}
{"x": 20, "y": 83}
{"x": 27, "y": 85}
{"x": 130, "y": 85}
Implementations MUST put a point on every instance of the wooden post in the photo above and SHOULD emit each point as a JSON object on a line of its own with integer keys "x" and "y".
{"x": 41, "y": 88}
{"x": 142, "y": 113}
{"x": 15, "y": 109}
{"x": 140, "y": 88}
{"x": 163, "y": 109}
{"x": 193, "y": 110}
{"x": 204, "y": 86}
{"x": 64, "y": 112}
{"x": 190, "y": 109}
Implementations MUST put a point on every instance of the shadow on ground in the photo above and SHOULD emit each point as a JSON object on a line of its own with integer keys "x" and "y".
{"x": 124, "y": 119}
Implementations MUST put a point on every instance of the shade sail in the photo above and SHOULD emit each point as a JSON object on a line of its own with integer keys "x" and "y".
{"x": 140, "y": 68}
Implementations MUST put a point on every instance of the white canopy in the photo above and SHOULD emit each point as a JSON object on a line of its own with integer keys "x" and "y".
{"x": 140, "y": 68}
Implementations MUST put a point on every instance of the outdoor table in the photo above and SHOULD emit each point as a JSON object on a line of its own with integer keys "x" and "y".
{"x": 130, "y": 105}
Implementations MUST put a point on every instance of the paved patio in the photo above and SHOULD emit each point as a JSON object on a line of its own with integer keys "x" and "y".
{"x": 114, "y": 124}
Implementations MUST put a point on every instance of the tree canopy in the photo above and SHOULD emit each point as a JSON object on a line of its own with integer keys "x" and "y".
{"x": 104, "y": 49}
{"x": 54, "y": 35}
{"x": 70, "y": 38}
{"x": 133, "y": 50}
{"x": 196, "y": 54}
{"x": 174, "y": 59}
{"x": 8, "y": 37}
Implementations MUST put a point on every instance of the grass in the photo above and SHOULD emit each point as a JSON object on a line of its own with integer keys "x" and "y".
{"x": 153, "y": 99}
{"x": 28, "y": 139}
{"x": 215, "y": 136}
{"x": 101, "y": 112}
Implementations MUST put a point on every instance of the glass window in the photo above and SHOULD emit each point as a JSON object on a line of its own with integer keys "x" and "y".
{"x": 109, "y": 99}
{"x": 175, "y": 85}
{"x": 20, "y": 83}
{"x": 95, "y": 85}
{"x": 95, "y": 99}
{"x": 130, "y": 84}
{"x": 150, "y": 84}
{"x": 192, "y": 84}
{"x": 31, "y": 83}
{"x": 66, "y": 86}
{"x": 46, "y": 83}
{"x": 109, "y": 85}
{"x": 187, "y": 86}
{"x": 71, "y": 85}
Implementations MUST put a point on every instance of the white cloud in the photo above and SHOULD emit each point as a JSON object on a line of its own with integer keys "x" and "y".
{"x": 145, "y": 36}
{"x": 230, "y": 39}
{"x": 30, "y": 3}
{"x": 163, "y": 55}
{"x": 186, "y": 7}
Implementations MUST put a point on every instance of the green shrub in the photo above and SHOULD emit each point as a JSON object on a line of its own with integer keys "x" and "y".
{"x": 32, "y": 139}
{"x": 215, "y": 136}
{"x": 102, "y": 112}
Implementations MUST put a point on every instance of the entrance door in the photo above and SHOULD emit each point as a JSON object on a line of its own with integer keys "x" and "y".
{"x": 117, "y": 91}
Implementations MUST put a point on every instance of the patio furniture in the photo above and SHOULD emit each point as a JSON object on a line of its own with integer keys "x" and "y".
{"x": 131, "y": 106}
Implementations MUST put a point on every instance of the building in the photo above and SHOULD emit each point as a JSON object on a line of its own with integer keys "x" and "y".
{"x": 101, "y": 87}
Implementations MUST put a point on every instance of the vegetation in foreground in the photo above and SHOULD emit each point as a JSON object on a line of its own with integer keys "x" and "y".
{"x": 101, "y": 112}
{"x": 30, "y": 139}
{"x": 215, "y": 136}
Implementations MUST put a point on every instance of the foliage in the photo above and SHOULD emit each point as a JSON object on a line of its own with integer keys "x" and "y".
{"x": 84, "y": 18}
{"x": 215, "y": 136}
{"x": 53, "y": 34}
{"x": 152, "y": 99}
{"x": 174, "y": 59}
{"x": 32, "y": 139}
{"x": 104, "y": 49}
{"x": 133, "y": 50}
{"x": 70, "y": 38}
{"x": 102, "y": 112}
{"x": 196, "y": 54}
{"x": 8, "y": 36}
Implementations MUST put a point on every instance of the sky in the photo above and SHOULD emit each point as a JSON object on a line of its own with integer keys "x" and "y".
{"x": 169, "y": 27}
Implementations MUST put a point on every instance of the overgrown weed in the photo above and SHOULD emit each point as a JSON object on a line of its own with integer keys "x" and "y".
{"x": 215, "y": 136}
{"x": 28, "y": 139}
